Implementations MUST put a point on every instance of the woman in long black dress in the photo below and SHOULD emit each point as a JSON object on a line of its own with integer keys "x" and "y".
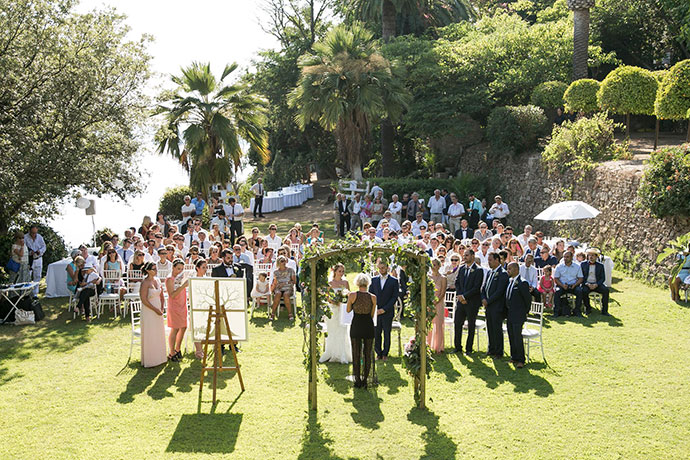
{"x": 362, "y": 330}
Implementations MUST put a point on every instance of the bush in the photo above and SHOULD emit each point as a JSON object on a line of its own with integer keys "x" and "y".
{"x": 172, "y": 201}
{"x": 581, "y": 95}
{"x": 628, "y": 90}
{"x": 673, "y": 98}
{"x": 462, "y": 186}
{"x": 579, "y": 145}
{"x": 516, "y": 129}
{"x": 549, "y": 95}
{"x": 665, "y": 186}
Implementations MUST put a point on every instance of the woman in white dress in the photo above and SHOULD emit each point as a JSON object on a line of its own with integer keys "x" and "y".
{"x": 153, "y": 352}
{"x": 338, "y": 347}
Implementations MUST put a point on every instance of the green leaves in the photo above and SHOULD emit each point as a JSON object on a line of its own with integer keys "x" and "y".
{"x": 665, "y": 186}
{"x": 581, "y": 95}
{"x": 516, "y": 129}
{"x": 628, "y": 90}
{"x": 549, "y": 95}
{"x": 673, "y": 98}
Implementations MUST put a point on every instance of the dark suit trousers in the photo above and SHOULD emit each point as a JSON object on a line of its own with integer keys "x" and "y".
{"x": 258, "y": 204}
{"x": 603, "y": 290}
{"x": 517, "y": 345}
{"x": 494, "y": 328}
{"x": 344, "y": 223}
{"x": 465, "y": 312}
{"x": 561, "y": 306}
{"x": 383, "y": 325}
{"x": 235, "y": 230}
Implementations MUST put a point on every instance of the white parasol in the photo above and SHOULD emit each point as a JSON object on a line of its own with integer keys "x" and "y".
{"x": 568, "y": 210}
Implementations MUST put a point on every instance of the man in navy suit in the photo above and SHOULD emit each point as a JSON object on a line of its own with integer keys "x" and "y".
{"x": 468, "y": 287}
{"x": 493, "y": 299}
{"x": 386, "y": 289}
{"x": 519, "y": 301}
{"x": 594, "y": 281}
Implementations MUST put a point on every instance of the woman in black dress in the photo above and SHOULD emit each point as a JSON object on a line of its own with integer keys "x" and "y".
{"x": 362, "y": 330}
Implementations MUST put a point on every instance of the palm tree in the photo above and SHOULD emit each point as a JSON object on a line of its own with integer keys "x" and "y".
{"x": 345, "y": 87}
{"x": 215, "y": 119}
{"x": 580, "y": 36}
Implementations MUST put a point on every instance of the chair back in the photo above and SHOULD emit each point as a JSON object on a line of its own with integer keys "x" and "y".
{"x": 212, "y": 266}
{"x": 111, "y": 276}
{"x": 398, "y": 309}
{"x": 135, "y": 314}
{"x": 540, "y": 273}
{"x": 295, "y": 248}
{"x": 262, "y": 268}
{"x": 451, "y": 312}
{"x": 535, "y": 317}
{"x": 133, "y": 280}
{"x": 450, "y": 297}
{"x": 190, "y": 267}
{"x": 163, "y": 274}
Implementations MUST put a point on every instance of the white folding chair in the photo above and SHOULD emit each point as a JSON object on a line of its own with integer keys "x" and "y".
{"x": 479, "y": 325}
{"x": 397, "y": 325}
{"x": 296, "y": 250}
{"x": 111, "y": 293}
{"x": 135, "y": 320}
{"x": 532, "y": 329}
{"x": 540, "y": 273}
{"x": 449, "y": 320}
{"x": 132, "y": 282}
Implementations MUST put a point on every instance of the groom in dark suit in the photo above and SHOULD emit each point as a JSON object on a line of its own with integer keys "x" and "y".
{"x": 493, "y": 299}
{"x": 386, "y": 289}
{"x": 468, "y": 287}
{"x": 518, "y": 301}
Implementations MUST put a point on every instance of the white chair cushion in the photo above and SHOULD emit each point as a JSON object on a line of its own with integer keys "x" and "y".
{"x": 530, "y": 333}
{"x": 137, "y": 332}
{"x": 396, "y": 325}
{"x": 478, "y": 324}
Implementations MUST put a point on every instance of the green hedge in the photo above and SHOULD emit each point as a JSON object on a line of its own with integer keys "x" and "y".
{"x": 581, "y": 95}
{"x": 666, "y": 184}
{"x": 516, "y": 129}
{"x": 462, "y": 186}
{"x": 549, "y": 95}
{"x": 628, "y": 90}
{"x": 673, "y": 98}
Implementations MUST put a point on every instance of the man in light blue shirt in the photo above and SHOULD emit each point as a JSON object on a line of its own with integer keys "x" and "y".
{"x": 199, "y": 203}
{"x": 568, "y": 278}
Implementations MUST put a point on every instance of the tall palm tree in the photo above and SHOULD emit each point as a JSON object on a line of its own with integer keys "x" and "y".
{"x": 580, "y": 36}
{"x": 345, "y": 87}
{"x": 214, "y": 118}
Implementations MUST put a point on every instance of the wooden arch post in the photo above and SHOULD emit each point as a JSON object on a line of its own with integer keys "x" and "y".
{"x": 420, "y": 322}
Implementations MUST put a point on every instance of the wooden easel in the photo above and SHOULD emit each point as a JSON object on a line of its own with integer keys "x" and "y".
{"x": 217, "y": 312}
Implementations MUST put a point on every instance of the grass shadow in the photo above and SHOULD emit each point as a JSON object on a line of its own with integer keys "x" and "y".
{"x": 336, "y": 377}
{"x": 206, "y": 433}
{"x": 523, "y": 380}
{"x": 189, "y": 377}
{"x": 280, "y": 324}
{"x": 159, "y": 389}
{"x": 368, "y": 408}
{"x": 139, "y": 381}
{"x": 389, "y": 376}
{"x": 437, "y": 444}
{"x": 315, "y": 443}
{"x": 443, "y": 365}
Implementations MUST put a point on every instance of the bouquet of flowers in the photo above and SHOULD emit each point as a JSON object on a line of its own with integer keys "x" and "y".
{"x": 337, "y": 297}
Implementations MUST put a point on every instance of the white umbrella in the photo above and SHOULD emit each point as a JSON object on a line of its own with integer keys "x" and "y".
{"x": 568, "y": 210}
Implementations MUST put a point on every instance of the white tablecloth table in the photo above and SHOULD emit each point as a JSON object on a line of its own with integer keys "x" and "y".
{"x": 270, "y": 204}
{"x": 310, "y": 190}
{"x": 56, "y": 278}
{"x": 292, "y": 198}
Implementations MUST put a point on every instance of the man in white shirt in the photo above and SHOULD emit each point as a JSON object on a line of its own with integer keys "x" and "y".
{"x": 500, "y": 210}
{"x": 355, "y": 208}
{"x": 221, "y": 221}
{"x": 524, "y": 237}
{"x": 370, "y": 235}
{"x": 150, "y": 255}
{"x": 395, "y": 208}
{"x": 436, "y": 206}
{"x": 258, "y": 190}
{"x": 528, "y": 272}
{"x": 417, "y": 224}
{"x": 235, "y": 218}
{"x": 89, "y": 259}
{"x": 36, "y": 247}
{"x": 375, "y": 190}
{"x": 455, "y": 212}
{"x": 204, "y": 244}
{"x": 163, "y": 265}
{"x": 125, "y": 252}
{"x": 392, "y": 223}
{"x": 187, "y": 209}
{"x": 190, "y": 236}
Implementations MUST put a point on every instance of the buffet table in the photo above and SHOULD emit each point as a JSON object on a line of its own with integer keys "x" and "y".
{"x": 287, "y": 197}
{"x": 56, "y": 278}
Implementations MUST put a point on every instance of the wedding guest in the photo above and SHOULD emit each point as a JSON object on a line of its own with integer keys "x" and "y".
{"x": 568, "y": 277}
{"x": 274, "y": 241}
{"x": 547, "y": 287}
{"x": 145, "y": 226}
{"x": 153, "y": 352}
{"x": 528, "y": 272}
{"x": 344, "y": 215}
{"x": 365, "y": 212}
{"x": 362, "y": 330}
{"x": 236, "y": 214}
{"x": 418, "y": 224}
{"x": 36, "y": 247}
{"x": 163, "y": 266}
{"x": 435, "y": 338}
{"x": 464, "y": 232}
{"x": 377, "y": 211}
{"x": 436, "y": 206}
{"x": 545, "y": 258}
{"x": 314, "y": 237}
{"x": 162, "y": 223}
{"x": 137, "y": 262}
{"x": 405, "y": 201}
{"x": 499, "y": 210}
{"x": 201, "y": 267}
{"x": 88, "y": 286}
{"x": 214, "y": 256}
{"x": 395, "y": 208}
{"x": 674, "y": 283}
{"x": 216, "y": 207}
{"x": 467, "y": 290}
{"x": 594, "y": 281}
{"x": 355, "y": 211}
{"x": 176, "y": 286}
{"x": 283, "y": 286}
{"x": 261, "y": 291}
{"x": 518, "y": 302}
{"x": 199, "y": 203}
{"x": 451, "y": 271}
{"x": 386, "y": 290}
{"x": 126, "y": 252}
{"x": 258, "y": 190}
{"x": 474, "y": 211}
{"x": 525, "y": 236}
{"x": 483, "y": 232}
{"x": 338, "y": 345}
{"x": 222, "y": 223}
{"x": 414, "y": 206}
{"x": 73, "y": 270}
{"x": 19, "y": 253}
{"x": 455, "y": 213}
{"x": 515, "y": 248}
{"x": 559, "y": 250}
{"x": 493, "y": 298}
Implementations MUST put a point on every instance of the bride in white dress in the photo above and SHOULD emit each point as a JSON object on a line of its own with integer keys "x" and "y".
{"x": 338, "y": 348}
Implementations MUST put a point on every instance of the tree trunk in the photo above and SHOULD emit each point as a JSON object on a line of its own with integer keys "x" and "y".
{"x": 388, "y": 29}
{"x": 627, "y": 125}
{"x": 356, "y": 171}
{"x": 656, "y": 134}
{"x": 687, "y": 136}
{"x": 580, "y": 43}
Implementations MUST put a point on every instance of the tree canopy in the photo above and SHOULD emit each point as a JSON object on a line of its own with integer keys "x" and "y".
{"x": 71, "y": 106}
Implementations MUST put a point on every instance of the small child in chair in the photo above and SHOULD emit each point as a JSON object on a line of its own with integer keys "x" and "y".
{"x": 261, "y": 289}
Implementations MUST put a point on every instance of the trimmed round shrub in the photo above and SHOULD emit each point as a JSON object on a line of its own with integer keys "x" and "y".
{"x": 516, "y": 129}
{"x": 659, "y": 75}
{"x": 628, "y": 90}
{"x": 665, "y": 186}
{"x": 673, "y": 97}
{"x": 581, "y": 95}
{"x": 549, "y": 95}
{"x": 578, "y": 146}
{"x": 172, "y": 201}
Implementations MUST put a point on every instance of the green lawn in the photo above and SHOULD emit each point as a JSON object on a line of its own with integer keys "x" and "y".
{"x": 615, "y": 388}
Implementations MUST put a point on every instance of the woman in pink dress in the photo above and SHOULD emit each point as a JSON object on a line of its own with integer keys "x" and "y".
{"x": 177, "y": 309}
{"x": 152, "y": 327}
{"x": 435, "y": 338}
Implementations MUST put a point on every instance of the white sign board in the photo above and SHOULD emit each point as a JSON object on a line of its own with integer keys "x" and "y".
{"x": 232, "y": 293}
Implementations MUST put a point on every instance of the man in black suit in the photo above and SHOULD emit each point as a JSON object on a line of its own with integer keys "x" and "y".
{"x": 518, "y": 301}
{"x": 468, "y": 287}
{"x": 464, "y": 232}
{"x": 225, "y": 269}
{"x": 344, "y": 210}
{"x": 386, "y": 289}
{"x": 594, "y": 281}
{"x": 493, "y": 299}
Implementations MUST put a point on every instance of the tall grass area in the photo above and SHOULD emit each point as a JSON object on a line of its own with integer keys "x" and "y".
{"x": 614, "y": 387}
